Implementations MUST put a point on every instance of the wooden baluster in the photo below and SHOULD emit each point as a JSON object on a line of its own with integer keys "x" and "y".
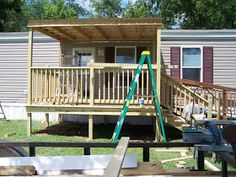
{"x": 46, "y": 85}
{"x": 109, "y": 86}
{"x": 99, "y": 85}
{"x": 137, "y": 89}
{"x": 36, "y": 85}
{"x": 142, "y": 91}
{"x": 86, "y": 85}
{"x": 147, "y": 89}
{"x": 81, "y": 85}
{"x": 128, "y": 81}
{"x": 72, "y": 85}
{"x": 118, "y": 85}
{"x": 171, "y": 96}
{"x": 225, "y": 103}
{"x": 50, "y": 85}
{"x": 113, "y": 85}
{"x": 176, "y": 98}
{"x": 104, "y": 86}
{"x": 209, "y": 113}
{"x": 54, "y": 85}
{"x": 123, "y": 85}
{"x": 76, "y": 85}
{"x": 132, "y": 72}
{"x": 67, "y": 85}
{"x": 63, "y": 85}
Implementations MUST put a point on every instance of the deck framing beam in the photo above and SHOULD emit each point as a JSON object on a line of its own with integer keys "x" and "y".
{"x": 64, "y": 33}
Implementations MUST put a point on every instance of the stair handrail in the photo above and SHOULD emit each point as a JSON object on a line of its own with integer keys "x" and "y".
{"x": 207, "y": 86}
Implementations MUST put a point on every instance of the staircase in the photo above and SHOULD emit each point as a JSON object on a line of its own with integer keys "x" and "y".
{"x": 212, "y": 100}
{"x": 176, "y": 97}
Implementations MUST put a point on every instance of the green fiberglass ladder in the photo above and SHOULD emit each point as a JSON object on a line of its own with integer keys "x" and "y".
{"x": 144, "y": 55}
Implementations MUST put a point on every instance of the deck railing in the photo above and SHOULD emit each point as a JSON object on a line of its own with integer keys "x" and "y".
{"x": 103, "y": 83}
{"x": 223, "y": 98}
{"x": 83, "y": 85}
{"x": 177, "y": 97}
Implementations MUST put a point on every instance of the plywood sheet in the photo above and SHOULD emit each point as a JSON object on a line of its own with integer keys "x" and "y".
{"x": 56, "y": 164}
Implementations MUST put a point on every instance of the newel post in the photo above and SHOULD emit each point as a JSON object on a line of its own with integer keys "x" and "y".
{"x": 91, "y": 100}
{"x": 209, "y": 112}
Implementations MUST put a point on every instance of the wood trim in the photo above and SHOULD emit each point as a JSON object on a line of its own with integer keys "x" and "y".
{"x": 64, "y": 33}
{"x": 204, "y": 85}
{"x": 97, "y": 22}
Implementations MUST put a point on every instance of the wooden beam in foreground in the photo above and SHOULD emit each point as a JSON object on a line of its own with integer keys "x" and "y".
{"x": 115, "y": 164}
{"x": 64, "y": 33}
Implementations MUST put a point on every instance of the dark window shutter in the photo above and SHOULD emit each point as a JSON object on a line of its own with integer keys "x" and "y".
{"x": 208, "y": 64}
{"x": 175, "y": 60}
{"x": 110, "y": 55}
{"x": 139, "y": 52}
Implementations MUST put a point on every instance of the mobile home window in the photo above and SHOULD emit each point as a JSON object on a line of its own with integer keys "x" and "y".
{"x": 125, "y": 54}
{"x": 192, "y": 63}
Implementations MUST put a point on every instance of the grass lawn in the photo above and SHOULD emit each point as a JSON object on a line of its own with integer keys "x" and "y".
{"x": 75, "y": 132}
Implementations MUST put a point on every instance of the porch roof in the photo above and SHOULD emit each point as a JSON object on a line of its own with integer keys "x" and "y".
{"x": 81, "y": 30}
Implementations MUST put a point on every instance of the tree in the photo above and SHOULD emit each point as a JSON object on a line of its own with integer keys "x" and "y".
{"x": 199, "y": 13}
{"x": 142, "y": 8}
{"x": 55, "y": 9}
{"x": 106, "y": 8}
{"x": 11, "y": 15}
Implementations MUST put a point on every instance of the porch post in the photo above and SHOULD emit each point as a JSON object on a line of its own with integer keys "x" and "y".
{"x": 158, "y": 79}
{"x": 29, "y": 96}
{"x": 158, "y": 63}
{"x": 91, "y": 100}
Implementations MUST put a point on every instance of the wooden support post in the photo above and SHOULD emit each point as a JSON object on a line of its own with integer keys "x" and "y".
{"x": 225, "y": 104}
{"x": 209, "y": 109}
{"x": 158, "y": 131}
{"x": 30, "y": 54}
{"x": 91, "y": 100}
{"x": 47, "y": 119}
{"x": 158, "y": 79}
{"x": 29, "y": 124}
{"x": 90, "y": 127}
{"x": 158, "y": 63}
{"x": 29, "y": 96}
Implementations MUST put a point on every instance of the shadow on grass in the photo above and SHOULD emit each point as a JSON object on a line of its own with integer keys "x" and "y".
{"x": 105, "y": 131}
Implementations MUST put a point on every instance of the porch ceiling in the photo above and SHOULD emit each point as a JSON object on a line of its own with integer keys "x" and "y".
{"x": 81, "y": 30}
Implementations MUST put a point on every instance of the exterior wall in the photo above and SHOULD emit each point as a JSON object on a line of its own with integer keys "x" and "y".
{"x": 69, "y": 46}
{"x": 224, "y": 50}
{"x": 13, "y": 68}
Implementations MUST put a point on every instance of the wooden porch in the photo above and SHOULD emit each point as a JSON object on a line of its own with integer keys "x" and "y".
{"x": 101, "y": 88}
